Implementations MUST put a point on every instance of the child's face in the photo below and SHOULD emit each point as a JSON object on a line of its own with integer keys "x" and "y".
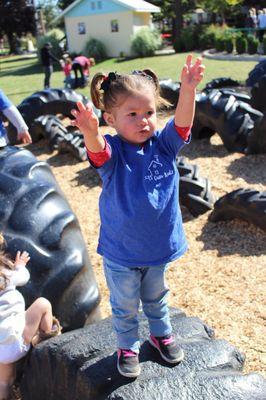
{"x": 134, "y": 119}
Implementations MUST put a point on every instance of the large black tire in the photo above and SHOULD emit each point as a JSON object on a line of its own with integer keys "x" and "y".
{"x": 245, "y": 204}
{"x": 36, "y": 217}
{"x": 49, "y": 127}
{"x": 50, "y": 101}
{"x": 81, "y": 365}
{"x": 220, "y": 112}
{"x": 258, "y": 94}
{"x": 169, "y": 90}
{"x": 221, "y": 83}
{"x": 257, "y": 139}
{"x": 256, "y": 73}
{"x": 194, "y": 191}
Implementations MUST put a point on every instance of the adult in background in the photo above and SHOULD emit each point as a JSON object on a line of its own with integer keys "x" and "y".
{"x": 47, "y": 59}
{"x": 261, "y": 24}
{"x": 81, "y": 65}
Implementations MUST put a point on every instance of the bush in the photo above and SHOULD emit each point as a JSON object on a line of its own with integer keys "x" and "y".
{"x": 264, "y": 44}
{"x": 145, "y": 42}
{"x": 206, "y": 38}
{"x": 229, "y": 44}
{"x": 219, "y": 44}
{"x": 96, "y": 49}
{"x": 53, "y": 36}
{"x": 241, "y": 44}
{"x": 252, "y": 43}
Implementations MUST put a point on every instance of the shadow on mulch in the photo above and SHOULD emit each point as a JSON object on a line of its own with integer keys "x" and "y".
{"x": 250, "y": 168}
{"x": 203, "y": 148}
{"x": 88, "y": 177}
{"x": 233, "y": 237}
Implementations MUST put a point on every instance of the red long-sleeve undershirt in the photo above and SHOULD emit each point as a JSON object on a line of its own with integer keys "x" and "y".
{"x": 100, "y": 158}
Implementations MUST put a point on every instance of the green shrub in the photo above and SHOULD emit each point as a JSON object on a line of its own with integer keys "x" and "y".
{"x": 179, "y": 45}
{"x": 241, "y": 44}
{"x": 96, "y": 49}
{"x": 189, "y": 38}
{"x": 145, "y": 42}
{"x": 253, "y": 44}
{"x": 53, "y": 36}
{"x": 264, "y": 44}
{"x": 229, "y": 43}
{"x": 207, "y": 40}
{"x": 219, "y": 43}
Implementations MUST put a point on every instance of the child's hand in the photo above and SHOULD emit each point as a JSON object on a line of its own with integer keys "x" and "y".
{"x": 192, "y": 74}
{"x": 85, "y": 119}
{"x": 25, "y": 137}
{"x": 22, "y": 259}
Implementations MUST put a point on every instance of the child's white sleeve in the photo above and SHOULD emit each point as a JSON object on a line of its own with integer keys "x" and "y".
{"x": 15, "y": 118}
{"x": 18, "y": 276}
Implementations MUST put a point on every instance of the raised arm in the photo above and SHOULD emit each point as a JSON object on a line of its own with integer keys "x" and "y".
{"x": 191, "y": 76}
{"x": 88, "y": 123}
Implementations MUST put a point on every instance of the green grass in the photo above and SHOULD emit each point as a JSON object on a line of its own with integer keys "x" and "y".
{"x": 21, "y": 76}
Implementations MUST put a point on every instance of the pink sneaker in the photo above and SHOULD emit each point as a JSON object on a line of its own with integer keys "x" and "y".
{"x": 168, "y": 348}
{"x": 128, "y": 363}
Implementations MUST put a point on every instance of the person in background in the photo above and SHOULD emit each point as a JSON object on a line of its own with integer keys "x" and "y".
{"x": 66, "y": 65}
{"x": 261, "y": 24}
{"x": 13, "y": 115}
{"x": 19, "y": 328}
{"x": 47, "y": 59}
{"x": 81, "y": 65}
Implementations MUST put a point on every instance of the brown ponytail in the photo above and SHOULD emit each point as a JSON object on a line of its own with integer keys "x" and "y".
{"x": 5, "y": 262}
{"x": 96, "y": 93}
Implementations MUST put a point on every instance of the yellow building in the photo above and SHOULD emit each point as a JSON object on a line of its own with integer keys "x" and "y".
{"x": 113, "y": 22}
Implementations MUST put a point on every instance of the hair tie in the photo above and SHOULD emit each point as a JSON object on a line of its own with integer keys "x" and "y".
{"x": 107, "y": 80}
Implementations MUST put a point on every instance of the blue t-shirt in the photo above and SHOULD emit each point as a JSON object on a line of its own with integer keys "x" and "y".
{"x": 4, "y": 103}
{"x": 141, "y": 222}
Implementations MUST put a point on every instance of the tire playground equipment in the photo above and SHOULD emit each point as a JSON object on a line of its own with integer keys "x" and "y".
{"x": 256, "y": 73}
{"x": 36, "y": 217}
{"x": 82, "y": 365}
{"x": 245, "y": 204}
{"x": 258, "y": 94}
{"x": 222, "y": 82}
{"x": 50, "y": 101}
{"x": 59, "y": 137}
{"x": 194, "y": 191}
{"x": 234, "y": 121}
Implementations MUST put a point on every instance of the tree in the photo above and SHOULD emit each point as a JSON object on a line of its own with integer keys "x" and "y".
{"x": 221, "y": 7}
{"x": 17, "y": 17}
{"x": 174, "y": 10}
{"x": 49, "y": 10}
{"x": 63, "y": 4}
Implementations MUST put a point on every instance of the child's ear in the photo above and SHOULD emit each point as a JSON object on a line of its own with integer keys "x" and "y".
{"x": 109, "y": 119}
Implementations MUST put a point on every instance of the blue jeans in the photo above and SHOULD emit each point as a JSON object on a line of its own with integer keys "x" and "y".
{"x": 129, "y": 286}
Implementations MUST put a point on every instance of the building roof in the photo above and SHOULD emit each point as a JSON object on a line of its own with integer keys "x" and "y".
{"x": 134, "y": 5}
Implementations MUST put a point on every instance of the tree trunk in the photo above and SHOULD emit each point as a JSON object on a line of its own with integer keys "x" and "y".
{"x": 178, "y": 19}
{"x": 11, "y": 42}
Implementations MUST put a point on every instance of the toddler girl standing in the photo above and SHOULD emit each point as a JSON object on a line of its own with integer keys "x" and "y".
{"x": 141, "y": 224}
{"x": 67, "y": 68}
{"x": 19, "y": 328}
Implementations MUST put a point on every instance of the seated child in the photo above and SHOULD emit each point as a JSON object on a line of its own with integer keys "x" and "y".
{"x": 19, "y": 328}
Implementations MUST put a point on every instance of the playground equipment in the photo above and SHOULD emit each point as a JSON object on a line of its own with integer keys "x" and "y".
{"x": 36, "y": 217}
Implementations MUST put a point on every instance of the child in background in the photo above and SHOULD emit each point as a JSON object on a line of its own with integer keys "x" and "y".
{"x": 141, "y": 224}
{"x": 11, "y": 112}
{"x": 19, "y": 328}
{"x": 66, "y": 65}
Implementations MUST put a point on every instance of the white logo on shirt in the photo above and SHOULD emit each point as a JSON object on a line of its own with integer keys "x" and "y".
{"x": 156, "y": 170}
